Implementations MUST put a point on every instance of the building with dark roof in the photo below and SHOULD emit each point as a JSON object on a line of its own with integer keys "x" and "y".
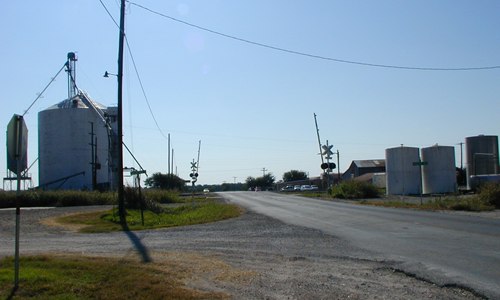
{"x": 361, "y": 167}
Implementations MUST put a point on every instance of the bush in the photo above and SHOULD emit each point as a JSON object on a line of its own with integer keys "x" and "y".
{"x": 35, "y": 198}
{"x": 471, "y": 204}
{"x": 161, "y": 196}
{"x": 489, "y": 193}
{"x": 354, "y": 190}
{"x": 134, "y": 201}
{"x": 56, "y": 198}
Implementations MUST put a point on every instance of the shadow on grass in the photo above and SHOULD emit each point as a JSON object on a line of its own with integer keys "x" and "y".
{"x": 136, "y": 241}
{"x": 12, "y": 293}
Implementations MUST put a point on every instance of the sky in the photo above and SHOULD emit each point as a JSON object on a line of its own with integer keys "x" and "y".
{"x": 250, "y": 105}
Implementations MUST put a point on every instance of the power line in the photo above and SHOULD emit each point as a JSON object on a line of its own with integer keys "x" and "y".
{"x": 46, "y": 87}
{"x": 109, "y": 14}
{"x": 366, "y": 64}
{"x": 136, "y": 72}
{"x": 143, "y": 90}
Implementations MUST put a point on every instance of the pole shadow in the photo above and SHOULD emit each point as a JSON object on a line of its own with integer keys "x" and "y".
{"x": 12, "y": 293}
{"x": 138, "y": 245}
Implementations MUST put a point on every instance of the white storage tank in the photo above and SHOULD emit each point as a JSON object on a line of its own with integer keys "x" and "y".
{"x": 64, "y": 144}
{"x": 482, "y": 156}
{"x": 439, "y": 174}
{"x": 402, "y": 176}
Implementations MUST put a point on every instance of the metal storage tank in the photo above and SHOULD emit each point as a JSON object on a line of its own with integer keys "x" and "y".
{"x": 402, "y": 177}
{"x": 482, "y": 156}
{"x": 439, "y": 173}
{"x": 65, "y": 145}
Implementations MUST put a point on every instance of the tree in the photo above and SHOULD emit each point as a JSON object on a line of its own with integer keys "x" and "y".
{"x": 251, "y": 182}
{"x": 294, "y": 175}
{"x": 264, "y": 182}
{"x": 165, "y": 181}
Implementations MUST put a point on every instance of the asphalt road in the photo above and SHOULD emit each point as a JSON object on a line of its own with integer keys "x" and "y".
{"x": 448, "y": 249}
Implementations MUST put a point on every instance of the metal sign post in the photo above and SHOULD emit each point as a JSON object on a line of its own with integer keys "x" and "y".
{"x": 17, "y": 162}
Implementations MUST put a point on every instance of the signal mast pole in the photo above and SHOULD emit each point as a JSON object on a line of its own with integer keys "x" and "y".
{"x": 198, "y": 161}
{"x": 319, "y": 141}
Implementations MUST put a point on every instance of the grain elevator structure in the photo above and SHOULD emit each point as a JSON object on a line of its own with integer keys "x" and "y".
{"x": 77, "y": 141}
{"x": 482, "y": 160}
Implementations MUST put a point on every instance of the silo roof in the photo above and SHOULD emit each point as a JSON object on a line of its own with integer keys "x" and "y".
{"x": 76, "y": 102}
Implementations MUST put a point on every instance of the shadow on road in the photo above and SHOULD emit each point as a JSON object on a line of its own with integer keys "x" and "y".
{"x": 138, "y": 245}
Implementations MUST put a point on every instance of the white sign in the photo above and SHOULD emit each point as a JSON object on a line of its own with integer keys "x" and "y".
{"x": 327, "y": 150}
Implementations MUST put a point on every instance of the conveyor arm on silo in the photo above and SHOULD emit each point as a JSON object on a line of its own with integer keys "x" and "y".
{"x": 97, "y": 110}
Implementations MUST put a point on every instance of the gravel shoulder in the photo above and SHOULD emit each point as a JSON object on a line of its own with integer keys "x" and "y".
{"x": 249, "y": 257}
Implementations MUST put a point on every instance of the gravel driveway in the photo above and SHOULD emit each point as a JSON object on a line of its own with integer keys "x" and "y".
{"x": 249, "y": 257}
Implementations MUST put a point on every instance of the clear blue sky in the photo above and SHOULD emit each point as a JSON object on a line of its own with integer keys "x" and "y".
{"x": 252, "y": 107}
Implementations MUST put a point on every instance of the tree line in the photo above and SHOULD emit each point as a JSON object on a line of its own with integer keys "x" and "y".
{"x": 267, "y": 181}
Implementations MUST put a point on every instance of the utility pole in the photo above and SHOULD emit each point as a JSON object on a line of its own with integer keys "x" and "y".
{"x": 338, "y": 165}
{"x": 264, "y": 171}
{"x": 168, "y": 170}
{"x": 121, "y": 200}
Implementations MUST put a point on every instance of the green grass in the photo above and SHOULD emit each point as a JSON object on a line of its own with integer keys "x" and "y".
{"x": 77, "y": 277}
{"x": 187, "y": 214}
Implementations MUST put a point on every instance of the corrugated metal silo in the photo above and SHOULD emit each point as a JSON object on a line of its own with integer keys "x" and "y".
{"x": 482, "y": 156}
{"x": 439, "y": 172}
{"x": 402, "y": 177}
{"x": 64, "y": 144}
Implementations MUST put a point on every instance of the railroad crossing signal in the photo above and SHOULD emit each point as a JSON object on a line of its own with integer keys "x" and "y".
{"x": 327, "y": 150}
{"x": 329, "y": 166}
{"x": 194, "y": 173}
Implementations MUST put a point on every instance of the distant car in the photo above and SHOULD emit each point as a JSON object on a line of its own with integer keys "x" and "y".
{"x": 314, "y": 188}
{"x": 257, "y": 189}
{"x": 288, "y": 188}
{"x": 306, "y": 187}
{"x": 206, "y": 191}
{"x": 296, "y": 188}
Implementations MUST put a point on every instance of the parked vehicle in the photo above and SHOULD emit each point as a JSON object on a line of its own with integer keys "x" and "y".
{"x": 296, "y": 188}
{"x": 314, "y": 188}
{"x": 306, "y": 187}
{"x": 288, "y": 188}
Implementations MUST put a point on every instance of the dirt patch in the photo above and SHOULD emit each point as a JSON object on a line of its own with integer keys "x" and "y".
{"x": 53, "y": 222}
{"x": 71, "y": 227}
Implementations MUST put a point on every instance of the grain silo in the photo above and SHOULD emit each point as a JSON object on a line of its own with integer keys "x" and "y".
{"x": 402, "y": 176}
{"x": 482, "y": 156}
{"x": 439, "y": 171}
{"x": 76, "y": 141}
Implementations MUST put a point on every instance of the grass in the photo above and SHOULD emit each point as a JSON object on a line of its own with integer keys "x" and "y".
{"x": 470, "y": 203}
{"x": 487, "y": 198}
{"x": 187, "y": 214}
{"x": 34, "y": 198}
{"x": 77, "y": 277}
